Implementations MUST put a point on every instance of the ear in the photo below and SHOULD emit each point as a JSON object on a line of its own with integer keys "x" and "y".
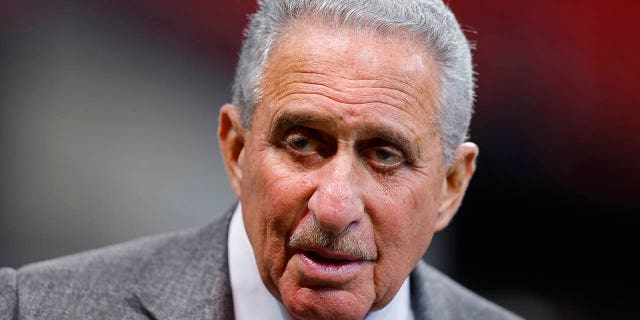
{"x": 231, "y": 136}
{"x": 454, "y": 186}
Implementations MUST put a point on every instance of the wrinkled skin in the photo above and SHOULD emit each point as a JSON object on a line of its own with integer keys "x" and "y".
{"x": 342, "y": 147}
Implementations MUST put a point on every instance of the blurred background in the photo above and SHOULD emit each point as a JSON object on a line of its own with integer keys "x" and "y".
{"x": 108, "y": 116}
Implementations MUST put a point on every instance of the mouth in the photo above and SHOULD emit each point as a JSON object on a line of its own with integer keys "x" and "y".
{"x": 329, "y": 259}
{"x": 328, "y": 269}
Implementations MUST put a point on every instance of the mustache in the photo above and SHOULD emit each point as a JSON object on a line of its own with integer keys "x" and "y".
{"x": 311, "y": 235}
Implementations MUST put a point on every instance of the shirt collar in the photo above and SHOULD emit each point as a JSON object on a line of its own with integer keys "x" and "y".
{"x": 251, "y": 300}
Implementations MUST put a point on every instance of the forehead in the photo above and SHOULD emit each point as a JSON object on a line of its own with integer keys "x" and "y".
{"x": 361, "y": 72}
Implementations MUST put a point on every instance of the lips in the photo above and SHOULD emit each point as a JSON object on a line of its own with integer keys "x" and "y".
{"x": 330, "y": 253}
{"x": 329, "y": 259}
{"x": 321, "y": 267}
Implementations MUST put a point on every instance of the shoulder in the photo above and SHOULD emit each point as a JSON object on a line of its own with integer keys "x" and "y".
{"x": 436, "y": 296}
{"x": 8, "y": 293}
{"x": 118, "y": 261}
{"x": 81, "y": 283}
{"x": 103, "y": 282}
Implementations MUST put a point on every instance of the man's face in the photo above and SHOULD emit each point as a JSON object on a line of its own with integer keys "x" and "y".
{"x": 341, "y": 175}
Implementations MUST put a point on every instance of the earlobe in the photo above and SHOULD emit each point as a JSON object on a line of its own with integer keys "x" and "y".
{"x": 456, "y": 182}
{"x": 231, "y": 137}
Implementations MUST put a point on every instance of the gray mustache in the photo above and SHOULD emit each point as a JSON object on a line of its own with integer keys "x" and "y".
{"x": 347, "y": 242}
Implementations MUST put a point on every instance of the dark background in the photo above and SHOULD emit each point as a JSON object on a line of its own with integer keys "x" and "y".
{"x": 108, "y": 132}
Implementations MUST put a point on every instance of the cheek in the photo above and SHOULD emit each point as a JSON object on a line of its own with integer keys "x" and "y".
{"x": 405, "y": 228}
{"x": 407, "y": 207}
{"x": 262, "y": 189}
{"x": 404, "y": 218}
{"x": 272, "y": 187}
{"x": 273, "y": 198}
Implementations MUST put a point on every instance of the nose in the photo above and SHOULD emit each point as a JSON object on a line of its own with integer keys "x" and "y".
{"x": 337, "y": 201}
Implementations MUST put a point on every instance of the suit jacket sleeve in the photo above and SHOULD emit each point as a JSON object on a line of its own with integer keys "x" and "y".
{"x": 8, "y": 294}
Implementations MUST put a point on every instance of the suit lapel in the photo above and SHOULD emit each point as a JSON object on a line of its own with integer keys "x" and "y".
{"x": 418, "y": 292}
{"x": 430, "y": 294}
{"x": 188, "y": 278}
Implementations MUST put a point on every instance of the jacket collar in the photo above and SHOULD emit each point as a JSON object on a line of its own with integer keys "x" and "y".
{"x": 188, "y": 276}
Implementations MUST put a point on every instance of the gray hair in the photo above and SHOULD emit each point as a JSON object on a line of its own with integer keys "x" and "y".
{"x": 429, "y": 21}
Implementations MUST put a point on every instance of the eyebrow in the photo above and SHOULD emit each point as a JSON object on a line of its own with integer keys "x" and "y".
{"x": 288, "y": 119}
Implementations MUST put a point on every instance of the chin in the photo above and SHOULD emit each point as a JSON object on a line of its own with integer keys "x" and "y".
{"x": 325, "y": 303}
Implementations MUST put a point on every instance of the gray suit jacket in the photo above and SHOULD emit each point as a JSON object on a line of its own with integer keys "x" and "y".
{"x": 181, "y": 275}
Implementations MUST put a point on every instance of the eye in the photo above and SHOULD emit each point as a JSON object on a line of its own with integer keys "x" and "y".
{"x": 384, "y": 157}
{"x": 303, "y": 141}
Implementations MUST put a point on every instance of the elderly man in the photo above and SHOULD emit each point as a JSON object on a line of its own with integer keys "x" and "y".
{"x": 345, "y": 145}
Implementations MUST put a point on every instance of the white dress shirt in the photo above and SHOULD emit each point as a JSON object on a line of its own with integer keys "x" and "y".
{"x": 251, "y": 300}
